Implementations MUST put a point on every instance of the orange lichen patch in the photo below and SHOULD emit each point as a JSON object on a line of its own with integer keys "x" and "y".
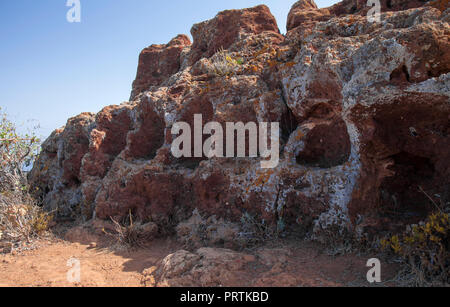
{"x": 272, "y": 63}
{"x": 261, "y": 180}
{"x": 351, "y": 20}
{"x": 299, "y": 135}
{"x": 273, "y": 52}
{"x": 253, "y": 68}
{"x": 260, "y": 52}
{"x": 289, "y": 64}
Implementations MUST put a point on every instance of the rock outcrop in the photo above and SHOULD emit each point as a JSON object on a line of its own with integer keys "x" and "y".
{"x": 306, "y": 13}
{"x": 157, "y": 63}
{"x": 364, "y": 119}
{"x": 227, "y": 28}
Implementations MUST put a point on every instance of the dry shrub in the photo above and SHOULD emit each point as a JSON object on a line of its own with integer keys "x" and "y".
{"x": 337, "y": 240}
{"x": 20, "y": 222}
{"x": 21, "y": 219}
{"x": 256, "y": 231}
{"x": 131, "y": 234}
{"x": 425, "y": 249}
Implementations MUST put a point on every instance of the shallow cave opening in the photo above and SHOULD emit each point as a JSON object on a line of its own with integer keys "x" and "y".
{"x": 327, "y": 145}
{"x": 406, "y": 193}
{"x": 389, "y": 4}
{"x": 409, "y": 142}
{"x": 400, "y": 75}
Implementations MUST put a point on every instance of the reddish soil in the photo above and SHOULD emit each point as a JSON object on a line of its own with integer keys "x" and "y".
{"x": 102, "y": 264}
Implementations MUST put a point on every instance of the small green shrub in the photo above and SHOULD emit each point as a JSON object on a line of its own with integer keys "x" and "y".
{"x": 224, "y": 64}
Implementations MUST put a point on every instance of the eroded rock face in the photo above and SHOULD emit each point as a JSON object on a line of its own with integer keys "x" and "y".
{"x": 56, "y": 174}
{"x": 305, "y": 13}
{"x": 364, "y": 118}
{"x": 227, "y": 28}
{"x": 157, "y": 63}
{"x": 361, "y": 7}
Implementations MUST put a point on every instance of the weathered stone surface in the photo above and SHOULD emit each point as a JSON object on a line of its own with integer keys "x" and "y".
{"x": 305, "y": 13}
{"x": 107, "y": 140}
{"x": 382, "y": 70}
{"x": 56, "y": 174}
{"x": 360, "y": 6}
{"x": 207, "y": 267}
{"x": 199, "y": 232}
{"x": 227, "y": 28}
{"x": 364, "y": 115}
{"x": 157, "y": 63}
{"x": 215, "y": 267}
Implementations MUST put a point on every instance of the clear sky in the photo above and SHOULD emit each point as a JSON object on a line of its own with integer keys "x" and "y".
{"x": 51, "y": 69}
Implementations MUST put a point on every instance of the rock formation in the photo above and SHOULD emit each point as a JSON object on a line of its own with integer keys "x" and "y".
{"x": 363, "y": 107}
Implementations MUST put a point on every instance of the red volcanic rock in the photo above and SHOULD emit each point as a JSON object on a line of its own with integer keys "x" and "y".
{"x": 227, "y": 28}
{"x": 363, "y": 112}
{"x": 305, "y": 12}
{"x": 56, "y": 174}
{"x": 360, "y": 6}
{"x": 157, "y": 63}
{"x": 403, "y": 155}
{"x": 107, "y": 140}
{"x": 148, "y": 134}
{"x": 326, "y": 144}
{"x": 378, "y": 87}
{"x": 75, "y": 145}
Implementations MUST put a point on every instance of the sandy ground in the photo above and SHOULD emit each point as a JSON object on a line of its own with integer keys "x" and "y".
{"x": 105, "y": 265}
{"x": 47, "y": 265}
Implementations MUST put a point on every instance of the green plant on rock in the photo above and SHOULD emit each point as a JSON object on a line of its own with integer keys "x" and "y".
{"x": 225, "y": 64}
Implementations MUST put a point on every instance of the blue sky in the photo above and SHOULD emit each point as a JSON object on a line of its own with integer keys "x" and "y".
{"x": 51, "y": 70}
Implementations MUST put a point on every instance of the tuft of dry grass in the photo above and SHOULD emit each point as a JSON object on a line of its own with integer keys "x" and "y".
{"x": 133, "y": 234}
{"x": 256, "y": 231}
{"x": 127, "y": 235}
{"x": 224, "y": 64}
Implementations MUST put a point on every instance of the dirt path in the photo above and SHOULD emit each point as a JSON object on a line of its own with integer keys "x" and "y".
{"x": 101, "y": 265}
{"x": 47, "y": 265}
